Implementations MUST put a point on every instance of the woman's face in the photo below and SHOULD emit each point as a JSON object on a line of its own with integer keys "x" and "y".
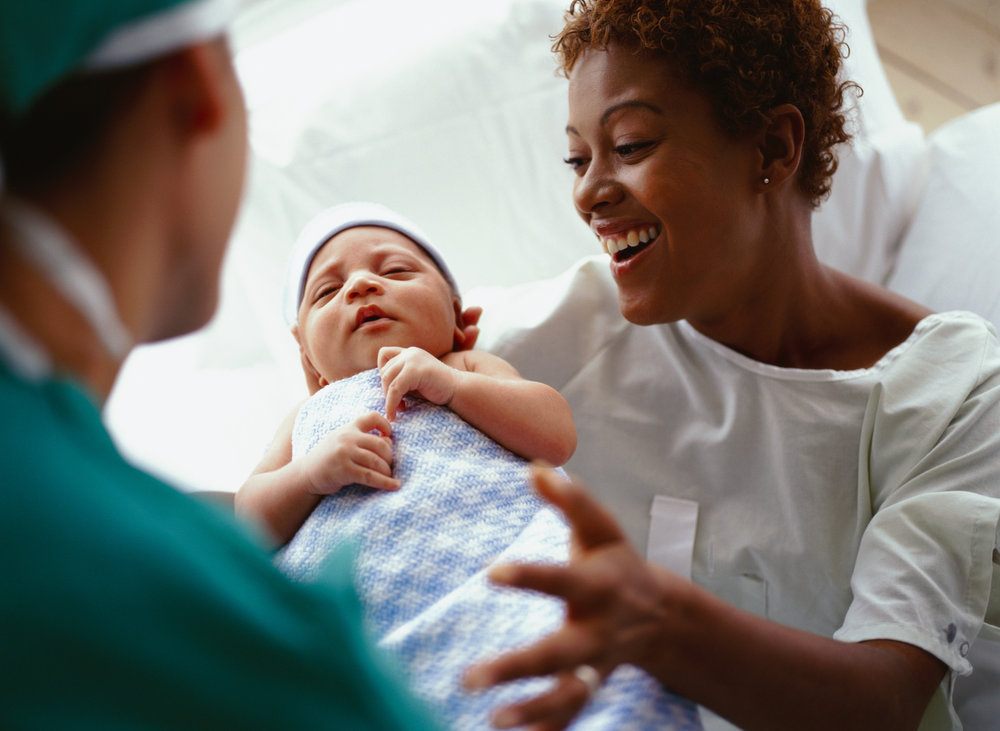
{"x": 653, "y": 164}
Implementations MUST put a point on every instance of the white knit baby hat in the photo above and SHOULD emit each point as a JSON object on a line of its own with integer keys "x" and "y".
{"x": 330, "y": 222}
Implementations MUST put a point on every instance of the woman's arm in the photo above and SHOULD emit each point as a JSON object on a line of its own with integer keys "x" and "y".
{"x": 756, "y": 673}
{"x": 528, "y": 418}
{"x": 281, "y": 493}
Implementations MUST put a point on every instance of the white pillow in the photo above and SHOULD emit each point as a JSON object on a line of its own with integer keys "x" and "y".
{"x": 950, "y": 257}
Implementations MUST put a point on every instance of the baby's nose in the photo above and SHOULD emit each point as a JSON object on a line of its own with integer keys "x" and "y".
{"x": 361, "y": 285}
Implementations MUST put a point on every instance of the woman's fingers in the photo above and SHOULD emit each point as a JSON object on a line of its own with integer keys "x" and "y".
{"x": 471, "y": 315}
{"x": 592, "y": 525}
{"x": 467, "y": 330}
{"x": 559, "y": 652}
{"x": 566, "y": 582}
{"x": 551, "y": 710}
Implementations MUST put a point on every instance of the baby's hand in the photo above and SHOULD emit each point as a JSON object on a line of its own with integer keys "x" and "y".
{"x": 352, "y": 454}
{"x": 412, "y": 370}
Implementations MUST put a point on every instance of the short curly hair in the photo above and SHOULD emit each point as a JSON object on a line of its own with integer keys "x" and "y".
{"x": 748, "y": 56}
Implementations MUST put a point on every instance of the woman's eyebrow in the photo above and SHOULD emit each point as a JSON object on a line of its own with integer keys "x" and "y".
{"x": 630, "y": 104}
{"x": 614, "y": 108}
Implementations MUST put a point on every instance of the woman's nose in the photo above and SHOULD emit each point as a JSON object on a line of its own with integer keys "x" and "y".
{"x": 361, "y": 284}
{"x": 595, "y": 189}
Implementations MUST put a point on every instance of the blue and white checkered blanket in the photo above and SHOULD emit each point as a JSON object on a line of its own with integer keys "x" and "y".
{"x": 422, "y": 552}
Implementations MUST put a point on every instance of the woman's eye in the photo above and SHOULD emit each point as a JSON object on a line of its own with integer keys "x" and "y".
{"x": 631, "y": 148}
{"x": 576, "y": 163}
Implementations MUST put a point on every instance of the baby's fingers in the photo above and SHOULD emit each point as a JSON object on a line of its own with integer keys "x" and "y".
{"x": 373, "y": 422}
{"x": 386, "y": 354}
{"x": 371, "y": 478}
{"x": 373, "y": 471}
{"x": 380, "y": 447}
{"x": 395, "y": 389}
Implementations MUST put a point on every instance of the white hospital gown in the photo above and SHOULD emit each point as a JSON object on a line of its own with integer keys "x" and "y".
{"x": 854, "y": 504}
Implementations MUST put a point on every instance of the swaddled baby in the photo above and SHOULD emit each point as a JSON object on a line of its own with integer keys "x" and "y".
{"x": 415, "y": 451}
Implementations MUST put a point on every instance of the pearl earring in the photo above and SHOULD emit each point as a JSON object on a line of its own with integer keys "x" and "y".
{"x": 767, "y": 181}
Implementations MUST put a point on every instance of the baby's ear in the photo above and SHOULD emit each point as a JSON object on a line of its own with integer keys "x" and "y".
{"x": 314, "y": 381}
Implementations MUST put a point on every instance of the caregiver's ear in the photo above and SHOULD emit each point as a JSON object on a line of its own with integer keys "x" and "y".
{"x": 779, "y": 144}
{"x": 314, "y": 381}
{"x": 199, "y": 81}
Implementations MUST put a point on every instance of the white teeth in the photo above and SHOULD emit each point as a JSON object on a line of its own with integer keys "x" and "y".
{"x": 634, "y": 237}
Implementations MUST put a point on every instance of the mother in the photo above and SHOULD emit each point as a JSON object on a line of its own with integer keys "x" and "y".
{"x": 838, "y": 442}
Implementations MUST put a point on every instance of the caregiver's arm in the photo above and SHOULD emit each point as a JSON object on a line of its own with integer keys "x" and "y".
{"x": 281, "y": 492}
{"x": 756, "y": 673}
{"x": 528, "y": 418}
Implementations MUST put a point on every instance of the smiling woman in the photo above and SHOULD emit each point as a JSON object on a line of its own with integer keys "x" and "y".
{"x": 709, "y": 128}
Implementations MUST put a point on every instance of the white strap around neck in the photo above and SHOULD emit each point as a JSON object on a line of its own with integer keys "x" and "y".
{"x": 25, "y": 357}
{"x": 42, "y": 242}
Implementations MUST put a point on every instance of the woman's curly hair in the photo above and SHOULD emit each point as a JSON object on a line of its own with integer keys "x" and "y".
{"x": 748, "y": 56}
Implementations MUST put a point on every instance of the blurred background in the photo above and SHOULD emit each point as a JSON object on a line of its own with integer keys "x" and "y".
{"x": 942, "y": 57}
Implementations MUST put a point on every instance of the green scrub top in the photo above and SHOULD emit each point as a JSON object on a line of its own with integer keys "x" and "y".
{"x": 126, "y": 604}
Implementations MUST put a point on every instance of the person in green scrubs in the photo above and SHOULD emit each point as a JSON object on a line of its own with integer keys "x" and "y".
{"x": 125, "y": 603}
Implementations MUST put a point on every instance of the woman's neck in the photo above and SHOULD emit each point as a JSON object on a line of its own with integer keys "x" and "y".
{"x": 796, "y": 312}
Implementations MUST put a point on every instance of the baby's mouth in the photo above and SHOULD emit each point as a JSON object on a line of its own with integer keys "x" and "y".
{"x": 623, "y": 246}
{"x": 366, "y": 314}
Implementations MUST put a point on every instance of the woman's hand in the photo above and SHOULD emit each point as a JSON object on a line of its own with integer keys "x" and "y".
{"x": 468, "y": 330}
{"x": 352, "y": 455}
{"x": 616, "y": 612}
{"x": 413, "y": 370}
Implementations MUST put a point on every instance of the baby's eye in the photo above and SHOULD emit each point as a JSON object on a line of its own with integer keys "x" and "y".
{"x": 393, "y": 270}
{"x": 326, "y": 291}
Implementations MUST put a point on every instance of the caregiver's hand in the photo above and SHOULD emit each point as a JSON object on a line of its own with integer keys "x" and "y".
{"x": 468, "y": 331}
{"x": 615, "y": 611}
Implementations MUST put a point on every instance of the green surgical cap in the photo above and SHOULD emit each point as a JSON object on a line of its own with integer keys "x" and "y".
{"x": 43, "y": 41}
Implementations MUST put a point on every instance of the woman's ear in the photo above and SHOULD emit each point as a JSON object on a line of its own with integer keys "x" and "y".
{"x": 780, "y": 145}
{"x": 314, "y": 381}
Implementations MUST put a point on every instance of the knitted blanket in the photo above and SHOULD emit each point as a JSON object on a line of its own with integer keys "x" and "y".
{"x": 422, "y": 552}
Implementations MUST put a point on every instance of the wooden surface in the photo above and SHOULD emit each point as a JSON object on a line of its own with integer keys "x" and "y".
{"x": 942, "y": 57}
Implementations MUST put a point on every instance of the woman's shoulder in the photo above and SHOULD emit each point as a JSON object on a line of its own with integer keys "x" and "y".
{"x": 954, "y": 342}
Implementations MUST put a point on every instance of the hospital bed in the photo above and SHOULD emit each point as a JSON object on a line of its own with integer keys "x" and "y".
{"x": 451, "y": 112}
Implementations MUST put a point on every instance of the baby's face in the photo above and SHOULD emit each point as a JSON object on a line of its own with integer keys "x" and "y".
{"x": 369, "y": 287}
